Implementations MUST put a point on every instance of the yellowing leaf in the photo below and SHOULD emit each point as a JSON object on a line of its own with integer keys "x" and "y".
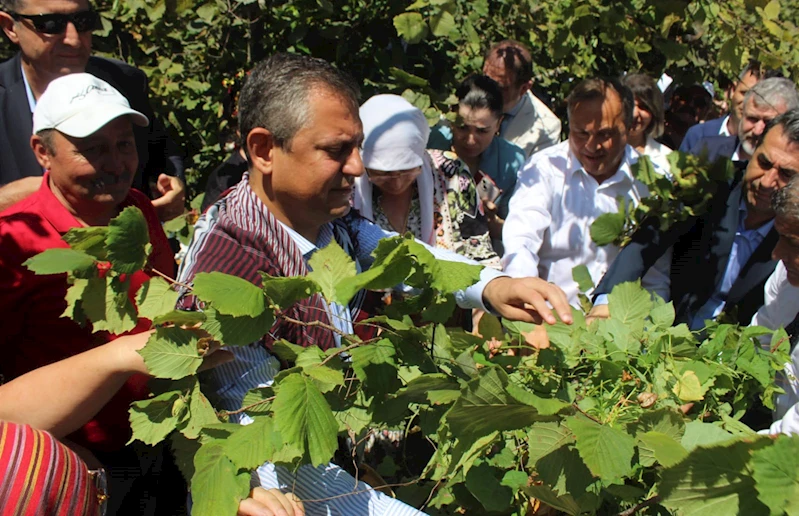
{"x": 688, "y": 387}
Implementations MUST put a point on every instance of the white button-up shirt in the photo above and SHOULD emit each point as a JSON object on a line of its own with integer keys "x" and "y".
{"x": 547, "y": 232}
{"x": 779, "y": 309}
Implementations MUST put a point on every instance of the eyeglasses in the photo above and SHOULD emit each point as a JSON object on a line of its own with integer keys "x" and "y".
{"x": 56, "y": 23}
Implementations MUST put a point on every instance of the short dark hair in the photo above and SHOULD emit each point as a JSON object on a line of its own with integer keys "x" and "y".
{"x": 789, "y": 121}
{"x": 648, "y": 95}
{"x": 597, "y": 88}
{"x": 275, "y": 95}
{"x": 480, "y": 92}
{"x": 516, "y": 58}
{"x": 757, "y": 69}
{"x": 785, "y": 201}
{"x": 10, "y": 5}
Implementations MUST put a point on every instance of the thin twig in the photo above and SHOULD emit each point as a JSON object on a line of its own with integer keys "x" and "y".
{"x": 320, "y": 324}
{"x": 346, "y": 349}
{"x": 226, "y": 413}
{"x": 586, "y": 414}
{"x": 171, "y": 280}
{"x": 646, "y": 503}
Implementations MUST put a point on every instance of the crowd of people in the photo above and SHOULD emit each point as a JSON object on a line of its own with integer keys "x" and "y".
{"x": 496, "y": 187}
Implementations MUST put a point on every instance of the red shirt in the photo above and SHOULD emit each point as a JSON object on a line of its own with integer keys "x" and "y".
{"x": 33, "y": 333}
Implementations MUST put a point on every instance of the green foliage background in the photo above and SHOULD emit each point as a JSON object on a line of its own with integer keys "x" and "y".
{"x": 192, "y": 50}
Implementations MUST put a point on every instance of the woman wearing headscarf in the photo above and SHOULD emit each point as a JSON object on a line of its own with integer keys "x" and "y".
{"x": 404, "y": 190}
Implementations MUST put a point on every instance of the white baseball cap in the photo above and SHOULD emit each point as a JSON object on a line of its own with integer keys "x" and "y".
{"x": 79, "y": 104}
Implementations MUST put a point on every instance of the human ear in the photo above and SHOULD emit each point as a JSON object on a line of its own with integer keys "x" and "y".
{"x": 7, "y": 22}
{"x": 261, "y": 146}
{"x": 40, "y": 151}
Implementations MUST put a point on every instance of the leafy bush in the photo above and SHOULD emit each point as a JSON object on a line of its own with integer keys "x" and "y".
{"x": 196, "y": 53}
{"x": 618, "y": 415}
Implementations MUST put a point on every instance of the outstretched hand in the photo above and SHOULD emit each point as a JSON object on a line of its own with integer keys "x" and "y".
{"x": 525, "y": 299}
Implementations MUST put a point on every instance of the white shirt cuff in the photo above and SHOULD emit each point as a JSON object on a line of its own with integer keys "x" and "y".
{"x": 472, "y": 297}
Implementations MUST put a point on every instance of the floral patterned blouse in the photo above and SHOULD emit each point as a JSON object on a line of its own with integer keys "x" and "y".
{"x": 413, "y": 223}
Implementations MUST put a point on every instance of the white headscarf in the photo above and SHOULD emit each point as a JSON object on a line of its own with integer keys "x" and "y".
{"x": 395, "y": 138}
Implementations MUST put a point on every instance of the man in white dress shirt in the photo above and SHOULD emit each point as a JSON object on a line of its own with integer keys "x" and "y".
{"x": 562, "y": 190}
{"x": 782, "y": 302}
{"x": 527, "y": 122}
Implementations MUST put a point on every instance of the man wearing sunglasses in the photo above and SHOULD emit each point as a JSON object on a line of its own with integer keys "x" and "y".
{"x": 55, "y": 38}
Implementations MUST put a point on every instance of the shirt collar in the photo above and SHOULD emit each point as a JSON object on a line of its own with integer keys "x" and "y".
{"x": 28, "y": 91}
{"x": 518, "y": 107}
{"x": 623, "y": 172}
{"x": 306, "y": 247}
{"x": 723, "y": 130}
{"x": 742, "y": 212}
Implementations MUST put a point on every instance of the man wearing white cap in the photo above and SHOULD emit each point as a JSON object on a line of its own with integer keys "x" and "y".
{"x": 84, "y": 141}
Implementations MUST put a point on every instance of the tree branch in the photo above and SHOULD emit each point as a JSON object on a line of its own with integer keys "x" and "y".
{"x": 646, "y": 503}
{"x": 225, "y": 413}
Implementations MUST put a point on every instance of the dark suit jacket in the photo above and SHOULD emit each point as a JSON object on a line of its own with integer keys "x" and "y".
{"x": 157, "y": 152}
{"x": 701, "y": 252}
{"x": 715, "y": 147}
{"x": 699, "y": 131}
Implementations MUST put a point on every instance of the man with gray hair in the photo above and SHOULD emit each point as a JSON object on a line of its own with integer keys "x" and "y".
{"x": 762, "y": 103}
{"x": 723, "y": 258}
{"x": 302, "y": 134}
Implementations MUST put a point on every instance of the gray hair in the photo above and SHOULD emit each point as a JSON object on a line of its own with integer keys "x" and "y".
{"x": 275, "y": 95}
{"x": 777, "y": 92}
{"x": 785, "y": 201}
{"x": 46, "y": 135}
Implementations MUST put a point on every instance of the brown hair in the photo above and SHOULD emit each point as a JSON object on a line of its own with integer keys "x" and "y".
{"x": 515, "y": 57}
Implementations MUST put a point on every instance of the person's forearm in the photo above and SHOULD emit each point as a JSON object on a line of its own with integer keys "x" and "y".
{"x": 63, "y": 396}
{"x": 12, "y": 193}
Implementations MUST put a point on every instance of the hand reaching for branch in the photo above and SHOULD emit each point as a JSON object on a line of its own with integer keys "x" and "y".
{"x": 272, "y": 502}
{"x": 525, "y": 299}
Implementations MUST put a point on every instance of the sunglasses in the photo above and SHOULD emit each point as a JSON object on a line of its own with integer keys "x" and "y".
{"x": 56, "y": 23}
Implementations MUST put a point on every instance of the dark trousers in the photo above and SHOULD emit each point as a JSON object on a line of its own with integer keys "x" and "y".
{"x": 143, "y": 480}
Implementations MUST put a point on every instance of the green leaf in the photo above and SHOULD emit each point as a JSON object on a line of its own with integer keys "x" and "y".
{"x": 564, "y": 471}
{"x": 607, "y": 228}
{"x": 217, "y": 486}
{"x": 152, "y": 420}
{"x": 776, "y": 475}
{"x": 237, "y": 331}
{"x": 483, "y": 482}
{"x": 330, "y": 267}
{"x": 284, "y": 292}
{"x": 546, "y": 437}
{"x": 252, "y": 445}
{"x": 197, "y": 202}
{"x": 387, "y": 271}
{"x": 172, "y": 353}
{"x": 661, "y": 448}
{"x": 698, "y": 433}
{"x": 712, "y": 480}
{"x": 303, "y": 416}
{"x": 175, "y": 225}
{"x": 58, "y": 261}
{"x": 180, "y": 318}
{"x": 607, "y": 451}
{"x": 411, "y": 27}
{"x": 427, "y": 386}
{"x": 229, "y": 295}
{"x": 665, "y": 421}
{"x": 128, "y": 241}
{"x": 156, "y": 297}
{"x": 376, "y": 366}
{"x": 447, "y": 277}
{"x": 89, "y": 239}
{"x": 565, "y": 503}
{"x": 200, "y": 409}
{"x": 630, "y": 304}
{"x": 442, "y": 23}
{"x": 108, "y": 308}
{"x": 515, "y": 479}
{"x": 544, "y": 406}
{"x": 583, "y": 278}
{"x": 772, "y": 10}
{"x": 663, "y": 315}
{"x": 485, "y": 406}
{"x": 258, "y": 395}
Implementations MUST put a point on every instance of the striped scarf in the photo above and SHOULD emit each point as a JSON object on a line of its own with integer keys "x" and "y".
{"x": 246, "y": 238}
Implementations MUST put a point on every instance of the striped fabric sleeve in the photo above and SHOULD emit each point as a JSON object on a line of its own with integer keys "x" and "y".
{"x": 41, "y": 476}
